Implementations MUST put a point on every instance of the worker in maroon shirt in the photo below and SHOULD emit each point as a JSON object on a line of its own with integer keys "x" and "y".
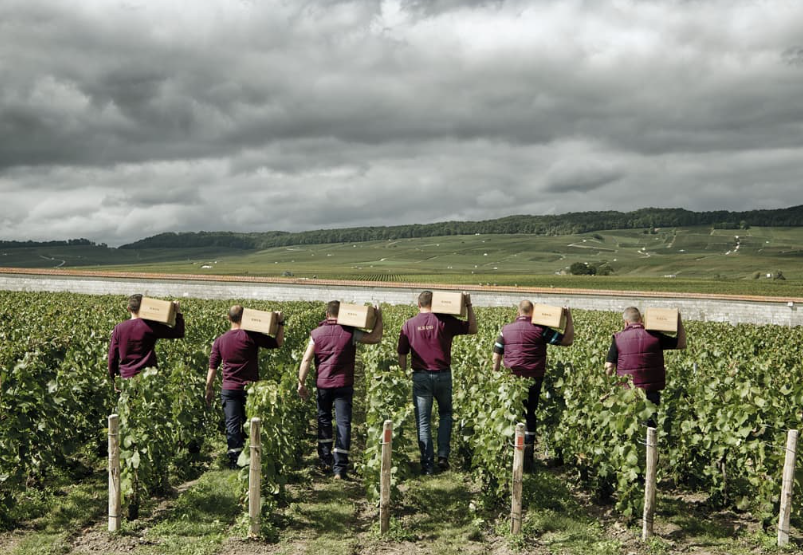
{"x": 237, "y": 351}
{"x": 428, "y": 337}
{"x": 639, "y": 353}
{"x": 522, "y": 346}
{"x": 133, "y": 342}
{"x": 334, "y": 349}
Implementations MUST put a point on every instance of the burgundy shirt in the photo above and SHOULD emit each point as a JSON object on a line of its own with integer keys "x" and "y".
{"x": 640, "y": 353}
{"x": 429, "y": 337}
{"x": 133, "y": 343}
{"x": 523, "y": 346}
{"x": 238, "y": 351}
{"x": 335, "y": 352}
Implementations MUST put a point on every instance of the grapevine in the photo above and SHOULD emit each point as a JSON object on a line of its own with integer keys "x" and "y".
{"x": 730, "y": 397}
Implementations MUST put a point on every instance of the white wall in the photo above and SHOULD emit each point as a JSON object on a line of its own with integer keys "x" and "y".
{"x": 712, "y": 310}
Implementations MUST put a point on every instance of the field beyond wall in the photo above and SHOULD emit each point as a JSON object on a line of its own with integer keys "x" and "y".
{"x": 693, "y": 259}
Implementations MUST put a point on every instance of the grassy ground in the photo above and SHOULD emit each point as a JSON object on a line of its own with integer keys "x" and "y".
{"x": 671, "y": 259}
{"x": 437, "y": 515}
{"x": 56, "y": 518}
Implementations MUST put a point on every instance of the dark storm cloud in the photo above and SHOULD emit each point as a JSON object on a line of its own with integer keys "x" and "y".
{"x": 148, "y": 116}
{"x": 583, "y": 176}
{"x": 185, "y": 195}
{"x": 793, "y": 56}
{"x": 430, "y": 7}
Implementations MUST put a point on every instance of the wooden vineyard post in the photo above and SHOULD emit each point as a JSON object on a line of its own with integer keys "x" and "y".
{"x": 114, "y": 473}
{"x": 649, "y": 485}
{"x": 255, "y": 477}
{"x": 518, "y": 471}
{"x": 384, "y": 482}
{"x": 786, "y": 488}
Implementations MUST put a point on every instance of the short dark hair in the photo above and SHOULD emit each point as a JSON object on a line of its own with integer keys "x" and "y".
{"x": 134, "y": 302}
{"x": 236, "y": 314}
{"x": 425, "y": 299}
{"x": 333, "y": 308}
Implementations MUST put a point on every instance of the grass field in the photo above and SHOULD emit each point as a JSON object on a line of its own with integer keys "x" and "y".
{"x": 671, "y": 259}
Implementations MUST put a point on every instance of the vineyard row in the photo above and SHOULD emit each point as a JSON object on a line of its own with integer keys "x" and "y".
{"x": 730, "y": 398}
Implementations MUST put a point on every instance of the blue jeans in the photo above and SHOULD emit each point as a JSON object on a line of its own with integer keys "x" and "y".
{"x": 341, "y": 399}
{"x": 234, "y": 409}
{"x": 426, "y": 387}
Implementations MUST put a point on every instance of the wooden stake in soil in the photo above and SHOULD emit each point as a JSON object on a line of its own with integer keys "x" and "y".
{"x": 255, "y": 477}
{"x": 518, "y": 471}
{"x": 649, "y": 485}
{"x": 114, "y": 473}
{"x": 786, "y": 488}
{"x": 384, "y": 482}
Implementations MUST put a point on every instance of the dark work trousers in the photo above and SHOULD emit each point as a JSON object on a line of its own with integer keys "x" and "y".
{"x": 341, "y": 399}
{"x": 530, "y": 406}
{"x": 234, "y": 409}
{"x": 655, "y": 397}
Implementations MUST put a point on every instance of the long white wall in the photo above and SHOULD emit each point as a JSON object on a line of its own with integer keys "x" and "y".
{"x": 711, "y": 310}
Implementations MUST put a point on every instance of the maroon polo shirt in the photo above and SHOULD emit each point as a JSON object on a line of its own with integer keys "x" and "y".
{"x": 429, "y": 337}
{"x": 238, "y": 351}
{"x": 133, "y": 343}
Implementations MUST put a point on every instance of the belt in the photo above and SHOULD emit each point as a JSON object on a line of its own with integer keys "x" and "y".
{"x": 417, "y": 370}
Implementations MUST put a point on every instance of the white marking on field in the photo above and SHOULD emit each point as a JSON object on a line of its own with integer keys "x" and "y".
{"x": 59, "y": 265}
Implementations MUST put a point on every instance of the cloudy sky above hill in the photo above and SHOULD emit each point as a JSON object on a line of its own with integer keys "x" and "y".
{"x": 119, "y": 120}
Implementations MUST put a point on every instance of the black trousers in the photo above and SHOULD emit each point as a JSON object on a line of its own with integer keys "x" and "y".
{"x": 234, "y": 409}
{"x": 339, "y": 398}
{"x": 655, "y": 397}
{"x": 530, "y": 406}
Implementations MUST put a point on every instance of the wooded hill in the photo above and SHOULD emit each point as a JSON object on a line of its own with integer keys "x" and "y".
{"x": 67, "y": 243}
{"x": 562, "y": 224}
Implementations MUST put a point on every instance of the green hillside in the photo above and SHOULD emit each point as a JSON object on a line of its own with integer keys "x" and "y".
{"x": 551, "y": 225}
{"x": 664, "y": 259}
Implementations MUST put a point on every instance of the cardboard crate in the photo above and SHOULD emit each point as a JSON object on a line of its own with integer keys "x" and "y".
{"x": 449, "y": 303}
{"x": 549, "y": 316}
{"x": 260, "y": 321}
{"x": 158, "y": 311}
{"x": 664, "y": 320}
{"x": 357, "y": 316}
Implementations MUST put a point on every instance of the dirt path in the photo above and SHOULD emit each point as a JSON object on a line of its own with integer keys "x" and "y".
{"x": 10, "y": 540}
{"x": 96, "y": 539}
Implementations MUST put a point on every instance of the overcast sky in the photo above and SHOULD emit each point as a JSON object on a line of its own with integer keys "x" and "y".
{"x": 122, "y": 119}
